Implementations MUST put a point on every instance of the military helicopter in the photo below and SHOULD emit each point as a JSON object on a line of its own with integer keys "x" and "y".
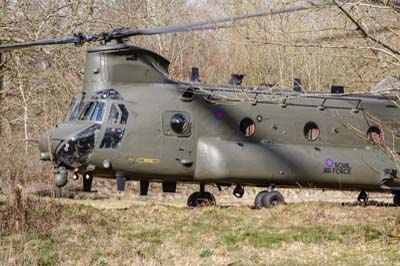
{"x": 132, "y": 122}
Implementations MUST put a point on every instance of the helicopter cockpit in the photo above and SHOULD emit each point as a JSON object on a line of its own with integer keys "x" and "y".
{"x": 84, "y": 122}
{"x": 78, "y": 148}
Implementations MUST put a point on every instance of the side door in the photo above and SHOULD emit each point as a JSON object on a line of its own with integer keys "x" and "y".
{"x": 178, "y": 142}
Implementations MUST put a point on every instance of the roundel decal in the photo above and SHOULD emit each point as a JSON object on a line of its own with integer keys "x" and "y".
{"x": 219, "y": 114}
{"x": 329, "y": 162}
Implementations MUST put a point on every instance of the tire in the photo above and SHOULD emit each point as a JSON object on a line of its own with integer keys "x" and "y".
{"x": 258, "y": 199}
{"x": 272, "y": 199}
{"x": 87, "y": 183}
{"x": 198, "y": 199}
{"x": 396, "y": 199}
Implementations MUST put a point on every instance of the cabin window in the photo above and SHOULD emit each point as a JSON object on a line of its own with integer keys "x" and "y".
{"x": 176, "y": 123}
{"x": 247, "y": 127}
{"x": 311, "y": 131}
{"x": 374, "y": 135}
{"x": 179, "y": 124}
{"x": 112, "y": 138}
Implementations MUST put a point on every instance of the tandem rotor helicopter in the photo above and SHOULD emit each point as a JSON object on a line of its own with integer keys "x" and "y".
{"x": 132, "y": 122}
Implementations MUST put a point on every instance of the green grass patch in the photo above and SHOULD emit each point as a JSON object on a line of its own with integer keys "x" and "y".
{"x": 267, "y": 238}
{"x": 206, "y": 253}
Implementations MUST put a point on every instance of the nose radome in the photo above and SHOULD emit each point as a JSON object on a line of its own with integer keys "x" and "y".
{"x": 47, "y": 146}
{"x": 44, "y": 143}
{"x": 51, "y": 140}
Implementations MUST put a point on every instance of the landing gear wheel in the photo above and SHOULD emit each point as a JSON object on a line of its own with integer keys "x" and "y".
{"x": 87, "y": 182}
{"x": 363, "y": 197}
{"x": 258, "y": 199}
{"x": 272, "y": 199}
{"x": 396, "y": 199}
{"x": 198, "y": 199}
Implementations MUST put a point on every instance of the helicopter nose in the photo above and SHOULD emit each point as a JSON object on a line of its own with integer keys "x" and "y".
{"x": 45, "y": 154}
{"x": 59, "y": 136}
{"x": 76, "y": 150}
{"x": 47, "y": 146}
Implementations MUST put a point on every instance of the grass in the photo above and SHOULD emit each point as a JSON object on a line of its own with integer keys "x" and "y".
{"x": 76, "y": 232}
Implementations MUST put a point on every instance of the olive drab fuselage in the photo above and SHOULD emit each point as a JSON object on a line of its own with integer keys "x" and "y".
{"x": 140, "y": 124}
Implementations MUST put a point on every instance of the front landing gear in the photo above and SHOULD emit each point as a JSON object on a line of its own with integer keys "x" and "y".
{"x": 268, "y": 199}
{"x": 201, "y": 198}
{"x": 61, "y": 179}
{"x": 87, "y": 182}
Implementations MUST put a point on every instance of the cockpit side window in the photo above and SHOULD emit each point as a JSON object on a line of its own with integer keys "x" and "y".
{"x": 114, "y": 114}
{"x": 118, "y": 114}
{"x": 112, "y": 138}
{"x": 125, "y": 114}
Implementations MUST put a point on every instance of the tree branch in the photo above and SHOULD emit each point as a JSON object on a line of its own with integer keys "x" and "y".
{"x": 363, "y": 31}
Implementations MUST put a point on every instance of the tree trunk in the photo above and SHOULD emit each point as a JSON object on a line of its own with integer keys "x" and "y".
{"x": 1, "y": 90}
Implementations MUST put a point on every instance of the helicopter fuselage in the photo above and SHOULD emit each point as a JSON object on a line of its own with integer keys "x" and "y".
{"x": 137, "y": 123}
{"x": 219, "y": 147}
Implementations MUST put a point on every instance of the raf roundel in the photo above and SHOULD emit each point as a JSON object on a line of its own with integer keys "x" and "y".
{"x": 329, "y": 163}
{"x": 219, "y": 114}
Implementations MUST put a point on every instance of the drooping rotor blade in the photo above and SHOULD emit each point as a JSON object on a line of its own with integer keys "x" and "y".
{"x": 80, "y": 38}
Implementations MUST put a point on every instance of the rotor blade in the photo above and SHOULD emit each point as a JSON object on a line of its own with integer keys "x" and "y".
{"x": 202, "y": 25}
{"x": 80, "y": 38}
{"x": 41, "y": 42}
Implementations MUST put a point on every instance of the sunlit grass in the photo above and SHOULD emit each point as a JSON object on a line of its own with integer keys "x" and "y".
{"x": 67, "y": 232}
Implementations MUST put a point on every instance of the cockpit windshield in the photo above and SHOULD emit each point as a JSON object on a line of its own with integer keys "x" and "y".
{"x": 75, "y": 107}
{"x": 93, "y": 111}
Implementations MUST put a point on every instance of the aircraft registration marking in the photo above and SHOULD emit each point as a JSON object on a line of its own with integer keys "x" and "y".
{"x": 148, "y": 160}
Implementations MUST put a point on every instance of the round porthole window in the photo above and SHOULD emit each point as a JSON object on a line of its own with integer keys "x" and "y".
{"x": 179, "y": 124}
{"x": 374, "y": 135}
{"x": 247, "y": 127}
{"x": 311, "y": 131}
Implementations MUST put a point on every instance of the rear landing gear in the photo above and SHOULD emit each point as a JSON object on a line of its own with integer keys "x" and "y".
{"x": 363, "y": 197}
{"x": 201, "y": 198}
{"x": 268, "y": 199}
{"x": 396, "y": 199}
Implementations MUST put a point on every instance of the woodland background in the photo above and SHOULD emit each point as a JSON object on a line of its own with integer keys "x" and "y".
{"x": 355, "y": 46}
